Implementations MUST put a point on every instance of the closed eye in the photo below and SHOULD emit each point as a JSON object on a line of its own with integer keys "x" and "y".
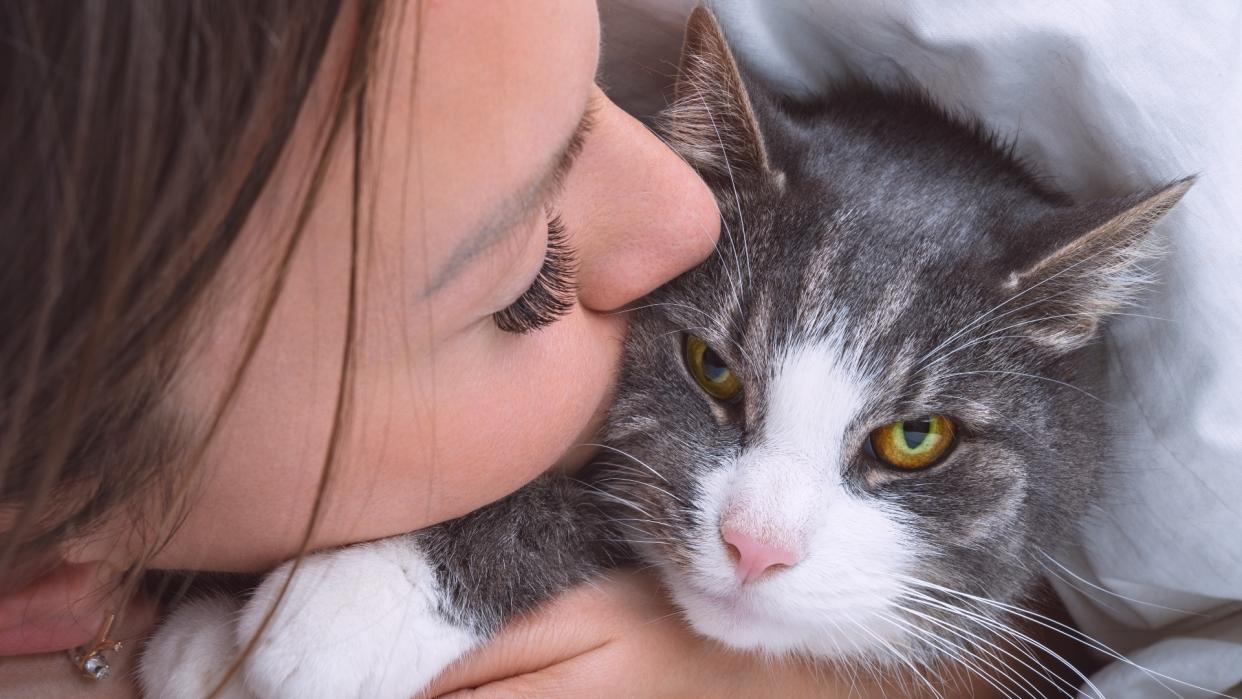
{"x": 552, "y": 294}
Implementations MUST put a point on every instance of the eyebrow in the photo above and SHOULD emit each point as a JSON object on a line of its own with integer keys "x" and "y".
{"x": 517, "y": 207}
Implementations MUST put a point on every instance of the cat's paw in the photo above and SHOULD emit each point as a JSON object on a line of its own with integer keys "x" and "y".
{"x": 189, "y": 653}
{"x": 361, "y": 621}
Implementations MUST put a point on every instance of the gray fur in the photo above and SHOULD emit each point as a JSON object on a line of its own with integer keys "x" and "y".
{"x": 964, "y": 284}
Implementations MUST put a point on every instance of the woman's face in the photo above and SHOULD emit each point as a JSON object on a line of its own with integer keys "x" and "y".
{"x": 447, "y": 411}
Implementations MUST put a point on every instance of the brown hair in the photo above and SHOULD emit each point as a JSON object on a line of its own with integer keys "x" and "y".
{"x": 138, "y": 135}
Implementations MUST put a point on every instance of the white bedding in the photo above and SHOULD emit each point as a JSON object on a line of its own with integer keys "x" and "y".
{"x": 1105, "y": 97}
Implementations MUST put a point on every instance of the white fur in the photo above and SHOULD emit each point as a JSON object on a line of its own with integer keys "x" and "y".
{"x": 787, "y": 488}
{"x": 360, "y": 621}
{"x": 189, "y": 653}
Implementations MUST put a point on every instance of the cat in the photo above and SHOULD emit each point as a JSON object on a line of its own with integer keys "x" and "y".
{"x": 848, "y": 435}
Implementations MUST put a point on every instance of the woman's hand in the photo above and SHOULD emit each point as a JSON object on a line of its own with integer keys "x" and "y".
{"x": 619, "y": 638}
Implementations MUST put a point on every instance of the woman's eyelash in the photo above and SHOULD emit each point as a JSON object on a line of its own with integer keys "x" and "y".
{"x": 552, "y": 294}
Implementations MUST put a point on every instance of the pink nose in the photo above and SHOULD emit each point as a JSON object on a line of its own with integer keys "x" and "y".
{"x": 755, "y": 557}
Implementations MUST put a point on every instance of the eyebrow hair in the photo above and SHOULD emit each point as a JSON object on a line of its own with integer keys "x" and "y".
{"x": 538, "y": 190}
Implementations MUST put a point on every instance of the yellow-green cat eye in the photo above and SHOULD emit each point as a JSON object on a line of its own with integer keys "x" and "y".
{"x": 707, "y": 368}
{"x": 913, "y": 444}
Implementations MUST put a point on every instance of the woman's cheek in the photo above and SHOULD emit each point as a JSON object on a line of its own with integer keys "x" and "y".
{"x": 518, "y": 404}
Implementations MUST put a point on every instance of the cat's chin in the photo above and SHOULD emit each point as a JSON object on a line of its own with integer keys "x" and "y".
{"x": 751, "y": 620}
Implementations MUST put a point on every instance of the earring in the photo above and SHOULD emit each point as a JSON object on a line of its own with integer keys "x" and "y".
{"x": 90, "y": 660}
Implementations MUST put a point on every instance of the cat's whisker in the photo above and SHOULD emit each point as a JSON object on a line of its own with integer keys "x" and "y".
{"x": 629, "y": 456}
{"x": 964, "y": 634}
{"x": 872, "y": 668}
{"x": 1064, "y": 630}
{"x": 741, "y": 350}
{"x": 1145, "y": 316}
{"x": 838, "y": 652}
{"x": 991, "y": 335}
{"x": 947, "y": 650}
{"x": 983, "y": 317}
{"x": 957, "y": 654}
{"x": 1085, "y": 640}
{"x": 930, "y": 358}
{"x": 868, "y": 663}
{"x": 820, "y": 673}
{"x": 654, "y": 522}
{"x": 627, "y": 469}
{"x": 727, "y": 236}
{"x": 1040, "y": 319}
{"x": 628, "y": 526}
{"x": 735, "y": 280}
{"x": 1093, "y": 586}
{"x": 660, "y": 618}
{"x": 665, "y": 304}
{"x": 1010, "y": 634}
{"x": 724, "y": 220}
{"x": 1029, "y": 376}
{"x": 619, "y": 500}
{"x": 630, "y": 540}
{"x": 1101, "y": 603}
{"x": 618, "y": 479}
{"x": 954, "y": 649}
{"x": 901, "y": 657}
{"x": 973, "y": 343}
{"x": 974, "y": 644}
{"x": 632, "y": 523}
{"x": 994, "y": 411}
{"x": 734, "y": 276}
{"x": 737, "y": 199}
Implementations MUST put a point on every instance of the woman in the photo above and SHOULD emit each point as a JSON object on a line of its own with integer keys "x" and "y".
{"x": 276, "y": 282}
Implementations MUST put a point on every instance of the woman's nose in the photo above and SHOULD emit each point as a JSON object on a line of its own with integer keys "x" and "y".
{"x": 639, "y": 215}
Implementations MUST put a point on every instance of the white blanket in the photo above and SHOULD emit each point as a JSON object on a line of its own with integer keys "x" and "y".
{"x": 1105, "y": 97}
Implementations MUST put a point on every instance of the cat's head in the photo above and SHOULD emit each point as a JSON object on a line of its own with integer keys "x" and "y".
{"x": 875, "y": 406}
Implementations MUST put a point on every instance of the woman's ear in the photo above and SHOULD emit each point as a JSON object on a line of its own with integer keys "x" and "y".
{"x": 60, "y": 605}
{"x": 711, "y": 123}
{"x": 1096, "y": 267}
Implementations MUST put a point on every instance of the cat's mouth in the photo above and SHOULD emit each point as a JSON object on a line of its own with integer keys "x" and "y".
{"x": 742, "y": 618}
{"x": 736, "y": 604}
{"x": 748, "y": 618}
{"x": 739, "y": 602}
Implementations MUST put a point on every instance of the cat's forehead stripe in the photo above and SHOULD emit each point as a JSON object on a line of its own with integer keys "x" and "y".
{"x": 839, "y": 291}
{"x": 816, "y": 391}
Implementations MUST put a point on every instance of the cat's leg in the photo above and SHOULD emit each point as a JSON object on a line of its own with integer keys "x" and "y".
{"x": 362, "y": 621}
{"x": 511, "y": 556}
{"x": 190, "y": 652}
{"x": 383, "y": 619}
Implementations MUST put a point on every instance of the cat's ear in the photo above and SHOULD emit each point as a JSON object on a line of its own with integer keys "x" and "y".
{"x": 1097, "y": 268}
{"x": 711, "y": 122}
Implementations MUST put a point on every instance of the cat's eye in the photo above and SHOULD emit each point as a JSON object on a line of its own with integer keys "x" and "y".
{"x": 913, "y": 444}
{"x": 710, "y": 371}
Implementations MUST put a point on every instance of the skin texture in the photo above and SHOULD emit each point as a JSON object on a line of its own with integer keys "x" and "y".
{"x": 449, "y": 412}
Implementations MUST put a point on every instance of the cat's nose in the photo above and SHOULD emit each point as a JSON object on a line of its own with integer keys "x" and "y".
{"x": 753, "y": 556}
